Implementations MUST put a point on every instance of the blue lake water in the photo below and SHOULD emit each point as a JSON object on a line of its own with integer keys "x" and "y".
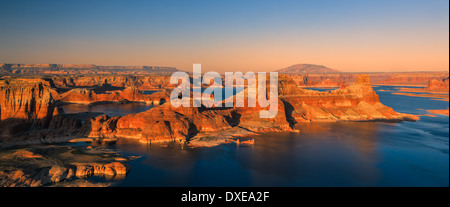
{"x": 323, "y": 154}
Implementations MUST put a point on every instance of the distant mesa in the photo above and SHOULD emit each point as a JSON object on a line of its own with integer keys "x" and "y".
{"x": 81, "y": 69}
{"x": 435, "y": 84}
{"x": 307, "y": 69}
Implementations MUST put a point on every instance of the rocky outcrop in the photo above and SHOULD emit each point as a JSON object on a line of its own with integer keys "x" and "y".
{"x": 338, "y": 80}
{"x": 166, "y": 123}
{"x": 129, "y": 94}
{"x": 101, "y": 126}
{"x": 141, "y": 82}
{"x": 49, "y": 165}
{"x": 26, "y": 102}
{"x": 435, "y": 84}
{"x": 28, "y": 99}
{"x": 411, "y": 78}
{"x": 163, "y": 123}
{"x": 29, "y": 115}
{"x": 357, "y": 102}
{"x": 437, "y": 89}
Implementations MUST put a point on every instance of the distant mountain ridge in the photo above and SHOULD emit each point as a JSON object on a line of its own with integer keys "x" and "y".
{"x": 81, "y": 69}
{"x": 307, "y": 69}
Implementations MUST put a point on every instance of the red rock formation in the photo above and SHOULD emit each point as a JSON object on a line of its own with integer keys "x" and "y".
{"x": 166, "y": 123}
{"x": 435, "y": 84}
{"x": 83, "y": 170}
{"x": 139, "y": 81}
{"x": 28, "y": 99}
{"x": 55, "y": 174}
{"x": 356, "y": 102}
{"x": 408, "y": 79}
{"x": 156, "y": 125}
{"x": 163, "y": 123}
{"x": 337, "y": 80}
{"x": 28, "y": 114}
{"x": 33, "y": 100}
{"x": 131, "y": 94}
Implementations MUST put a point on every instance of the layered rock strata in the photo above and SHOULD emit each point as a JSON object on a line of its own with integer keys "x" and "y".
{"x": 357, "y": 102}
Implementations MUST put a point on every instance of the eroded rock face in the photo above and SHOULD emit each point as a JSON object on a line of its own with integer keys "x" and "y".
{"x": 26, "y": 99}
{"x": 141, "y": 82}
{"x": 167, "y": 123}
{"x": 101, "y": 126}
{"x": 435, "y": 84}
{"x": 163, "y": 123}
{"x": 44, "y": 172}
{"x": 129, "y": 94}
{"x": 33, "y": 100}
{"x": 339, "y": 80}
{"x": 29, "y": 115}
{"x": 357, "y": 102}
{"x": 83, "y": 170}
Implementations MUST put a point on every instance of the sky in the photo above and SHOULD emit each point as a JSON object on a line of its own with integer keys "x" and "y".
{"x": 348, "y": 35}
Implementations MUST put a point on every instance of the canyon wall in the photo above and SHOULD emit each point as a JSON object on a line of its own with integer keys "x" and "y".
{"x": 357, "y": 102}
{"x": 438, "y": 84}
{"x": 26, "y": 99}
{"x": 391, "y": 78}
{"x": 167, "y": 123}
{"x": 139, "y": 81}
{"x": 28, "y": 113}
{"x": 129, "y": 94}
{"x": 26, "y": 103}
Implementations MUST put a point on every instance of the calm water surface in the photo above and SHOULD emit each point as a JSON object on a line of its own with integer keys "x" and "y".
{"x": 323, "y": 154}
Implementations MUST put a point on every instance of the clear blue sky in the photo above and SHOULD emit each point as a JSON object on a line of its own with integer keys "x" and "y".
{"x": 350, "y": 35}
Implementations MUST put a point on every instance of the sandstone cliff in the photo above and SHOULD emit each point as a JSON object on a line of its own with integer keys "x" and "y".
{"x": 166, "y": 123}
{"x": 139, "y": 81}
{"x": 28, "y": 99}
{"x": 357, "y": 102}
{"x": 29, "y": 115}
{"x": 129, "y": 94}
{"x": 392, "y": 78}
{"x": 435, "y": 84}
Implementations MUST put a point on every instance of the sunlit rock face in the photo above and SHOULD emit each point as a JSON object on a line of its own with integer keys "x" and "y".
{"x": 327, "y": 80}
{"x": 436, "y": 84}
{"x": 31, "y": 102}
{"x": 129, "y": 94}
{"x": 167, "y": 123}
{"x": 26, "y": 99}
{"x": 142, "y": 82}
{"x": 357, "y": 102}
{"x": 29, "y": 115}
{"x": 163, "y": 123}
